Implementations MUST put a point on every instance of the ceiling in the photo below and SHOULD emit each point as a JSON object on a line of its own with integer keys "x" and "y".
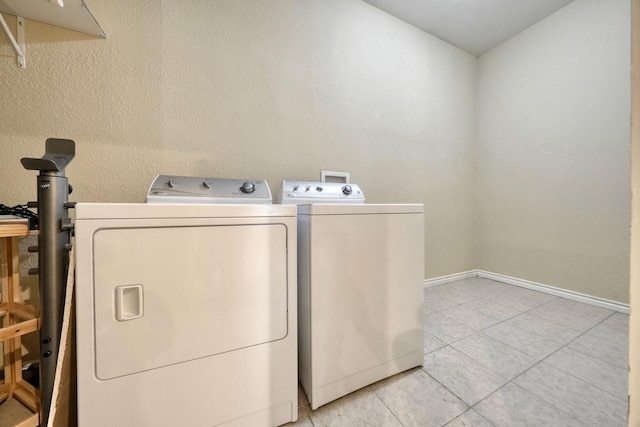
{"x": 473, "y": 25}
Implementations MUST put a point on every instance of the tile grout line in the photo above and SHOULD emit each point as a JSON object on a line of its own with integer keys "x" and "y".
{"x": 375, "y": 392}
{"x": 446, "y": 388}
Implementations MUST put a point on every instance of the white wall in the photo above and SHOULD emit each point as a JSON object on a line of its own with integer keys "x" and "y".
{"x": 553, "y": 151}
{"x": 269, "y": 89}
{"x": 634, "y": 320}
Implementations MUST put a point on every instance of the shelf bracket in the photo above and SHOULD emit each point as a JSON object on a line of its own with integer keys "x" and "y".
{"x": 18, "y": 45}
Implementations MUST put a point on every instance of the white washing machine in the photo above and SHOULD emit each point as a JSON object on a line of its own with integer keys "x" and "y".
{"x": 186, "y": 312}
{"x": 360, "y": 298}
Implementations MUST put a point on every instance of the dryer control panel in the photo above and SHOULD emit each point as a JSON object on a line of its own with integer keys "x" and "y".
{"x": 304, "y": 192}
{"x": 192, "y": 189}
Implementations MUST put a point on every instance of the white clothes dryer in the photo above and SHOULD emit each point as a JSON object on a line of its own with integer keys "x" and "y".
{"x": 360, "y": 299}
{"x": 186, "y": 313}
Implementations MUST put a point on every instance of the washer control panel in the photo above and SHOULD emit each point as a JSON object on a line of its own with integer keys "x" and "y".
{"x": 192, "y": 189}
{"x": 304, "y": 192}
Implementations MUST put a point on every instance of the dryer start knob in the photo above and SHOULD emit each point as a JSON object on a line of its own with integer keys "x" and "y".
{"x": 248, "y": 187}
{"x": 347, "y": 190}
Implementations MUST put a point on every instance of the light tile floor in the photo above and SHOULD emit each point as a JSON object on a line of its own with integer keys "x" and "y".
{"x": 499, "y": 355}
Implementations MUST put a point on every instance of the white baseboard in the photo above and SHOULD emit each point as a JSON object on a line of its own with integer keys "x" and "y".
{"x": 450, "y": 278}
{"x": 576, "y": 296}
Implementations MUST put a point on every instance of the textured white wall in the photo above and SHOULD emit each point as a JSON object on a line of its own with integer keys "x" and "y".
{"x": 268, "y": 89}
{"x": 553, "y": 151}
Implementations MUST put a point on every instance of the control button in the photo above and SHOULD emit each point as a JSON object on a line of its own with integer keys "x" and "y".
{"x": 347, "y": 190}
{"x": 171, "y": 183}
{"x": 318, "y": 188}
{"x": 248, "y": 187}
{"x": 206, "y": 185}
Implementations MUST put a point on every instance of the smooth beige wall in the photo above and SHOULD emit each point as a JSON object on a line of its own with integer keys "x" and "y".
{"x": 553, "y": 151}
{"x": 274, "y": 89}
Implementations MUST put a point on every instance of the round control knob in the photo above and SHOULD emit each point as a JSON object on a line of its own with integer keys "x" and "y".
{"x": 319, "y": 188}
{"x": 347, "y": 190}
{"x": 248, "y": 187}
{"x": 206, "y": 185}
{"x": 171, "y": 183}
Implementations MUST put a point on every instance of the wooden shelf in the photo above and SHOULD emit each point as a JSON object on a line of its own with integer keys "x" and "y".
{"x": 18, "y": 319}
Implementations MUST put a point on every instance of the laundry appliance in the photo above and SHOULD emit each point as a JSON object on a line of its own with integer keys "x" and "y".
{"x": 186, "y": 312}
{"x": 360, "y": 299}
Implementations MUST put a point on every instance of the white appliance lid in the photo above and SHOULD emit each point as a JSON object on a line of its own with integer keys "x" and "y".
{"x": 362, "y": 209}
{"x": 95, "y": 211}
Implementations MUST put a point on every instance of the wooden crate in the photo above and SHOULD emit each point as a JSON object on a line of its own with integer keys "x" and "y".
{"x": 18, "y": 319}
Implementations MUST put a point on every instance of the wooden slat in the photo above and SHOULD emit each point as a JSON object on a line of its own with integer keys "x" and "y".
{"x": 5, "y": 244}
{"x": 4, "y": 392}
{"x": 19, "y": 329}
{"x": 14, "y": 229}
{"x": 14, "y": 272}
{"x": 16, "y": 362}
{"x": 63, "y": 411}
{"x": 23, "y": 311}
{"x": 32, "y": 421}
{"x": 29, "y": 388}
{"x": 26, "y": 394}
{"x": 9, "y": 379}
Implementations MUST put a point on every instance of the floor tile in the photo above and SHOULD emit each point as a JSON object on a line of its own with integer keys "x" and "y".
{"x": 303, "y": 419}
{"x": 444, "y": 328}
{"x": 434, "y": 303}
{"x": 529, "y": 343}
{"x": 453, "y": 292}
{"x": 418, "y": 400}
{"x": 582, "y": 309}
{"x": 362, "y": 408}
{"x": 495, "y": 355}
{"x": 513, "y": 406}
{"x": 597, "y": 372}
{"x": 492, "y": 288}
{"x": 432, "y": 343}
{"x": 614, "y": 328}
{"x": 462, "y": 375}
{"x": 490, "y": 308}
{"x": 523, "y": 299}
{"x": 571, "y": 314}
{"x": 469, "y": 419}
{"x": 470, "y": 317}
{"x": 545, "y": 328}
{"x": 574, "y": 396}
{"x": 615, "y": 353}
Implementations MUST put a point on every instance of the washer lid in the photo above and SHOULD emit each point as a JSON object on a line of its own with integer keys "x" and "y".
{"x": 304, "y": 192}
{"x": 363, "y": 209}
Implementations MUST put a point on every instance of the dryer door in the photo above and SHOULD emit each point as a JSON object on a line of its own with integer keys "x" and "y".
{"x": 167, "y": 295}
